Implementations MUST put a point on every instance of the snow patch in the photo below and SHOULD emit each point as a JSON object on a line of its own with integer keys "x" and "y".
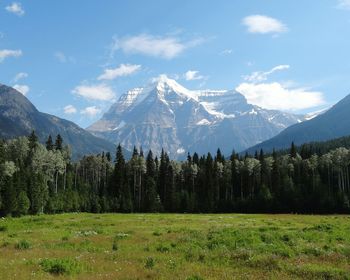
{"x": 204, "y": 122}
{"x": 121, "y": 125}
{"x": 180, "y": 151}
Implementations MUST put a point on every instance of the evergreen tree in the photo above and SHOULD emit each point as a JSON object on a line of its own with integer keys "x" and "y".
{"x": 49, "y": 144}
{"x": 23, "y": 203}
{"x": 59, "y": 142}
{"x": 293, "y": 150}
{"x": 33, "y": 140}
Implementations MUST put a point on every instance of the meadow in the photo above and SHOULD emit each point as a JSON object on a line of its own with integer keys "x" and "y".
{"x": 175, "y": 246}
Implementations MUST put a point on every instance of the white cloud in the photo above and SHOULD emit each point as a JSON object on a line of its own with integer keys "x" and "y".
{"x": 122, "y": 70}
{"x": 191, "y": 75}
{"x": 61, "y": 57}
{"x": 100, "y": 92}
{"x": 19, "y": 76}
{"x": 260, "y": 76}
{"x": 343, "y": 4}
{"x": 15, "y": 8}
{"x": 166, "y": 47}
{"x": 263, "y": 24}
{"x": 227, "y": 52}
{"x": 275, "y": 96}
{"x": 24, "y": 89}
{"x": 91, "y": 111}
{"x": 69, "y": 109}
{"x": 9, "y": 53}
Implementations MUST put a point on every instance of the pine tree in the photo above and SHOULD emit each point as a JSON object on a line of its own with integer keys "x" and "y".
{"x": 163, "y": 168}
{"x": 33, "y": 140}
{"x": 23, "y": 203}
{"x": 49, "y": 144}
{"x": 119, "y": 174}
{"x": 293, "y": 150}
{"x": 59, "y": 142}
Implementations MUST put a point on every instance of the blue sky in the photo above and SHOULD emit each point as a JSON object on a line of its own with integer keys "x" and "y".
{"x": 74, "y": 58}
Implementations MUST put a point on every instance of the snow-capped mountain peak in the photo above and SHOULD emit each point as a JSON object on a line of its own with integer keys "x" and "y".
{"x": 164, "y": 114}
{"x": 165, "y": 85}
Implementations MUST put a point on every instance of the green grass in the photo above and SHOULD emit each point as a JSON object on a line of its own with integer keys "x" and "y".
{"x": 174, "y": 246}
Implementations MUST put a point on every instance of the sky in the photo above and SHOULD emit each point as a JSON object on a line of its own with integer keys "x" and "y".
{"x": 74, "y": 59}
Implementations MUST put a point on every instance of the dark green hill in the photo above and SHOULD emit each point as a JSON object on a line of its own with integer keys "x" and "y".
{"x": 18, "y": 117}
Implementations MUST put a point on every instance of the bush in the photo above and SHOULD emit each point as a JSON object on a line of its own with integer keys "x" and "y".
{"x": 23, "y": 203}
{"x": 163, "y": 249}
{"x": 115, "y": 246}
{"x": 149, "y": 263}
{"x": 3, "y": 228}
{"x": 60, "y": 266}
{"x": 194, "y": 277}
{"x": 23, "y": 245}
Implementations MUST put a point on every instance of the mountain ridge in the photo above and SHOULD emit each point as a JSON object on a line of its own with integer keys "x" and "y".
{"x": 333, "y": 123}
{"x": 18, "y": 117}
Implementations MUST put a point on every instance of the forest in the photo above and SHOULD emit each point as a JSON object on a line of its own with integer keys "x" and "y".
{"x": 37, "y": 178}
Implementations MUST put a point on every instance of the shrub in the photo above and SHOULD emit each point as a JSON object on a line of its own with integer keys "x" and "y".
{"x": 60, "y": 266}
{"x": 163, "y": 249}
{"x": 194, "y": 277}
{"x": 149, "y": 263}
{"x": 115, "y": 245}
{"x": 121, "y": 235}
{"x": 3, "y": 228}
{"x": 65, "y": 238}
{"x": 23, "y": 245}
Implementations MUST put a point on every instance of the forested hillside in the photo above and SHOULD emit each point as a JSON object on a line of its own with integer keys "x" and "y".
{"x": 36, "y": 179}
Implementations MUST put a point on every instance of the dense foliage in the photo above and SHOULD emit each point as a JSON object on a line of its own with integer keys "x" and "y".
{"x": 36, "y": 179}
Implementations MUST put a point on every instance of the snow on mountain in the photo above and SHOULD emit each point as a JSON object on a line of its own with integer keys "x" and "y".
{"x": 166, "y": 115}
{"x": 314, "y": 114}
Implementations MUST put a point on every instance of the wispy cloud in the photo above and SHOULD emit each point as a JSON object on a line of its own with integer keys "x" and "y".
{"x": 343, "y": 4}
{"x": 166, "y": 47}
{"x": 192, "y": 75}
{"x": 99, "y": 92}
{"x": 19, "y": 76}
{"x": 122, "y": 70}
{"x": 69, "y": 109}
{"x": 61, "y": 57}
{"x": 15, "y": 8}
{"x": 260, "y": 76}
{"x": 263, "y": 24}
{"x": 227, "y": 52}
{"x": 9, "y": 53}
{"x": 24, "y": 89}
{"x": 91, "y": 111}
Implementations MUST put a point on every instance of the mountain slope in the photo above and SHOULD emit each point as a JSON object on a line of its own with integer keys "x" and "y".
{"x": 333, "y": 123}
{"x": 166, "y": 115}
{"x": 19, "y": 117}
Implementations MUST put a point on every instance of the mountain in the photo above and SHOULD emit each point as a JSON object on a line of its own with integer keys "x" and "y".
{"x": 18, "y": 117}
{"x": 333, "y": 123}
{"x": 166, "y": 115}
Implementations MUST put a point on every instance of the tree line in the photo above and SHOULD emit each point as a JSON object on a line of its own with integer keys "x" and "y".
{"x": 37, "y": 178}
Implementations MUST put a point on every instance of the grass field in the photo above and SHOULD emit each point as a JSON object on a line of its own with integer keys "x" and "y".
{"x": 171, "y": 246}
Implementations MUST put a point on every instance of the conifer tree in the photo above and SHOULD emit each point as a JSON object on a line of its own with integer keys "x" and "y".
{"x": 59, "y": 142}
{"x": 49, "y": 143}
